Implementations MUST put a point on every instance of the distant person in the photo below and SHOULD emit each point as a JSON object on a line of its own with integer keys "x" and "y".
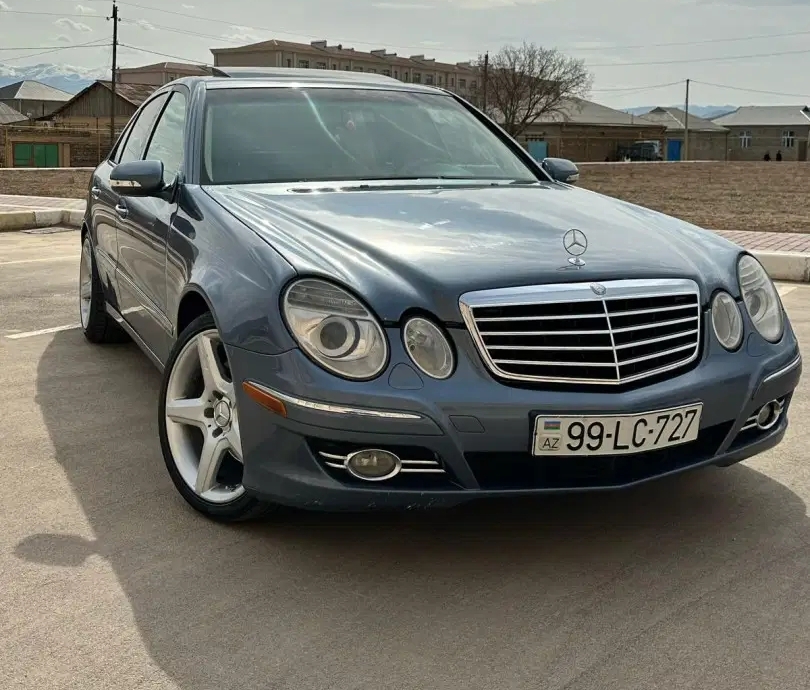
{"x": 779, "y": 155}
{"x": 767, "y": 156}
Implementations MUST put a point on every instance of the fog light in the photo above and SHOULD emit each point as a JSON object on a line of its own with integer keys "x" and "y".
{"x": 769, "y": 414}
{"x": 373, "y": 465}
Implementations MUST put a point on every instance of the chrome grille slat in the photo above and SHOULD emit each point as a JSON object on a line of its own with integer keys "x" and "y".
{"x": 338, "y": 462}
{"x": 636, "y": 329}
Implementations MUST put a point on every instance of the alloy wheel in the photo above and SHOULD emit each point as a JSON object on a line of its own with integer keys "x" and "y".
{"x": 202, "y": 423}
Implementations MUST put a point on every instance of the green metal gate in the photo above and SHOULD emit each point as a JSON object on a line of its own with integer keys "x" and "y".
{"x": 36, "y": 155}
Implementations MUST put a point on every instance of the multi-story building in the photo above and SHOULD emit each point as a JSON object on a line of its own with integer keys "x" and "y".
{"x": 458, "y": 77}
{"x": 159, "y": 73}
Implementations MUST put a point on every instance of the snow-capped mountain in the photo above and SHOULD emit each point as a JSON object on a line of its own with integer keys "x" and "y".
{"x": 64, "y": 77}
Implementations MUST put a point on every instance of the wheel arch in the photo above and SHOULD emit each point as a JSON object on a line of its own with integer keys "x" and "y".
{"x": 193, "y": 304}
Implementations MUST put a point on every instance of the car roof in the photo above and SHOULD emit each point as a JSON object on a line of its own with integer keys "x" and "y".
{"x": 238, "y": 77}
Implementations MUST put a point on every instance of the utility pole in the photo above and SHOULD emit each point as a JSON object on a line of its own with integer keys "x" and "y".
{"x": 114, "y": 72}
{"x": 484, "y": 86}
{"x": 686, "y": 126}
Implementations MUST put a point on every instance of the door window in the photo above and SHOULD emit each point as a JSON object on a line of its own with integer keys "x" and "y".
{"x": 167, "y": 141}
{"x": 139, "y": 132}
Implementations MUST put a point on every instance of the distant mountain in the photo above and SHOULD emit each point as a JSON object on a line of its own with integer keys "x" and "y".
{"x": 705, "y": 111}
{"x": 64, "y": 77}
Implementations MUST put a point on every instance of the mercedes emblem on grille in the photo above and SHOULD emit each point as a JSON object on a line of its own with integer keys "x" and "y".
{"x": 576, "y": 244}
{"x": 598, "y": 289}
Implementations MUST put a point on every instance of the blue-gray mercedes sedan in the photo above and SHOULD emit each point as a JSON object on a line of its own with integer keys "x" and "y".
{"x": 363, "y": 293}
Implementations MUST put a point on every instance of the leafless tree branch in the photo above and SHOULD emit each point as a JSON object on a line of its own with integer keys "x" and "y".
{"x": 528, "y": 81}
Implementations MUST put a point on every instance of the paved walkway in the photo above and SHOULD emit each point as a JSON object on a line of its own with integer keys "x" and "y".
{"x": 763, "y": 241}
{"x": 13, "y": 202}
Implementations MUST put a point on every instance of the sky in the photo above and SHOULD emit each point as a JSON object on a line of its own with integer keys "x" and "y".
{"x": 761, "y": 46}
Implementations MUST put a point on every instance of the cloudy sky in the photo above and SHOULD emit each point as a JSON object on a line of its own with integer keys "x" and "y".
{"x": 634, "y": 48}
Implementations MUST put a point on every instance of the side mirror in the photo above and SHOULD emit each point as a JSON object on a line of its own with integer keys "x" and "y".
{"x": 561, "y": 170}
{"x": 137, "y": 178}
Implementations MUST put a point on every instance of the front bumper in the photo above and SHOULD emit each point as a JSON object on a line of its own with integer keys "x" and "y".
{"x": 478, "y": 430}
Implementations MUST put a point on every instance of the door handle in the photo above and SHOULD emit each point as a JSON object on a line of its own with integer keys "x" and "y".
{"x": 96, "y": 192}
{"x": 121, "y": 210}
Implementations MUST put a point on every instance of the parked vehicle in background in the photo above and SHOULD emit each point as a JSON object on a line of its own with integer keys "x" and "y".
{"x": 640, "y": 151}
{"x": 362, "y": 293}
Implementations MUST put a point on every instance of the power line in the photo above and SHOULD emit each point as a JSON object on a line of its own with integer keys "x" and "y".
{"x": 61, "y": 47}
{"x": 740, "y": 88}
{"x": 51, "y": 14}
{"x": 711, "y": 59}
{"x": 649, "y": 87}
{"x": 100, "y": 43}
{"x": 159, "y": 54}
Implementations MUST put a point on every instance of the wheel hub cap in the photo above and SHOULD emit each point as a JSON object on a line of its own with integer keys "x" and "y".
{"x": 222, "y": 413}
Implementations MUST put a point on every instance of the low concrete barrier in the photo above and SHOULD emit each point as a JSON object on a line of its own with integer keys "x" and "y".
{"x": 39, "y": 218}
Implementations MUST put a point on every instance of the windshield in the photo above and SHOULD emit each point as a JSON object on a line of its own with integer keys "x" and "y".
{"x": 256, "y": 135}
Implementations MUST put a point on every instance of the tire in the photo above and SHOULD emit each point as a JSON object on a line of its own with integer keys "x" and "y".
{"x": 188, "y": 425}
{"x": 97, "y": 325}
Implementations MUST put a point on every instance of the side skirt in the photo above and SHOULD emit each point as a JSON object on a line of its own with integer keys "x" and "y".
{"x": 132, "y": 334}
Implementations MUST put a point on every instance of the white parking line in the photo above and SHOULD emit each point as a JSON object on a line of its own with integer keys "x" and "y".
{"x": 72, "y": 257}
{"x": 43, "y": 331}
{"x": 785, "y": 289}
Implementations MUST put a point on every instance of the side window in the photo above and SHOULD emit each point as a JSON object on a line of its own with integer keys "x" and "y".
{"x": 167, "y": 141}
{"x": 139, "y": 132}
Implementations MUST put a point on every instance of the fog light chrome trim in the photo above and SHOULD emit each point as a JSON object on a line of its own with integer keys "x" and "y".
{"x": 338, "y": 462}
{"x": 393, "y": 473}
{"x": 753, "y": 420}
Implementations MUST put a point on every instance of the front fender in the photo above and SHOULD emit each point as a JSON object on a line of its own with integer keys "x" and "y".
{"x": 239, "y": 276}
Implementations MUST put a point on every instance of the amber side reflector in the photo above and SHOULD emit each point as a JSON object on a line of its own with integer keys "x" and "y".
{"x": 264, "y": 398}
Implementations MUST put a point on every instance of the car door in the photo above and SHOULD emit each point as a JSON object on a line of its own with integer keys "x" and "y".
{"x": 144, "y": 231}
{"x": 103, "y": 222}
{"x": 134, "y": 247}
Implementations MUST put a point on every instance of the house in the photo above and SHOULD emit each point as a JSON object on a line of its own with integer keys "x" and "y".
{"x": 708, "y": 141}
{"x": 91, "y": 107}
{"x": 586, "y": 131}
{"x": 8, "y": 115}
{"x": 32, "y": 98}
{"x": 755, "y": 130}
{"x": 459, "y": 77}
{"x": 159, "y": 73}
{"x": 75, "y": 134}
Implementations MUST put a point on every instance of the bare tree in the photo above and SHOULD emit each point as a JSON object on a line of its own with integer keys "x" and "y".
{"x": 527, "y": 81}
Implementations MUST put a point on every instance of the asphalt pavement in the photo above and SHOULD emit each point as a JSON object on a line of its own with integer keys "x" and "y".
{"x": 108, "y": 579}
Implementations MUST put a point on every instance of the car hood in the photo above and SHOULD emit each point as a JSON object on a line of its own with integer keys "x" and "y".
{"x": 423, "y": 247}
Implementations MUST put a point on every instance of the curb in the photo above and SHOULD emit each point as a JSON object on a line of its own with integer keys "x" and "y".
{"x": 11, "y": 221}
{"x": 788, "y": 266}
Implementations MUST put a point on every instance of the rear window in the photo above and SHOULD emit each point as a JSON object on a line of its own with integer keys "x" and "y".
{"x": 256, "y": 135}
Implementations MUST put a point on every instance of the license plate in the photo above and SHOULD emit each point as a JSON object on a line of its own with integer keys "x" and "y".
{"x": 616, "y": 434}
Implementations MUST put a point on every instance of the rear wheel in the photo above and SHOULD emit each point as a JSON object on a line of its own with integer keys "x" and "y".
{"x": 98, "y": 326}
{"x": 199, "y": 426}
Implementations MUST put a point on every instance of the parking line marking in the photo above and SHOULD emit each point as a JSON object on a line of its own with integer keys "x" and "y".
{"x": 43, "y": 331}
{"x": 785, "y": 289}
{"x": 72, "y": 257}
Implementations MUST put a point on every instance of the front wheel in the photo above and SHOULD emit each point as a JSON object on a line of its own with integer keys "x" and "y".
{"x": 199, "y": 426}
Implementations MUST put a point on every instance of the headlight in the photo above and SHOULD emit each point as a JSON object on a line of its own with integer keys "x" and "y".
{"x": 761, "y": 298}
{"x": 335, "y": 329}
{"x": 727, "y": 321}
{"x": 428, "y": 348}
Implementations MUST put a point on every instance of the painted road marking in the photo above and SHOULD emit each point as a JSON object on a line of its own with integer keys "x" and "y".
{"x": 72, "y": 257}
{"x": 785, "y": 289}
{"x": 43, "y": 331}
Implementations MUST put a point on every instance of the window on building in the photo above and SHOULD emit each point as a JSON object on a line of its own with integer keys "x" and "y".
{"x": 417, "y": 78}
{"x": 334, "y": 65}
{"x": 386, "y": 72}
{"x": 473, "y": 84}
{"x": 166, "y": 144}
{"x": 358, "y": 69}
{"x": 745, "y": 139}
{"x": 452, "y": 81}
{"x": 462, "y": 83}
{"x": 303, "y": 64}
{"x": 347, "y": 68}
{"x": 788, "y": 139}
{"x": 320, "y": 65}
{"x": 429, "y": 79}
{"x": 396, "y": 74}
{"x": 289, "y": 62}
{"x": 372, "y": 70}
{"x": 439, "y": 80}
{"x": 405, "y": 76}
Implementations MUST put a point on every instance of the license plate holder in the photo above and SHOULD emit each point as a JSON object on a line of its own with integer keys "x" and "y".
{"x": 615, "y": 434}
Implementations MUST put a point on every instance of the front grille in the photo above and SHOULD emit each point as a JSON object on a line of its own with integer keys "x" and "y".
{"x": 569, "y": 334}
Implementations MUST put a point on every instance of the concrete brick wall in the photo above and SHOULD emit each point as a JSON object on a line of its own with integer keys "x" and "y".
{"x": 69, "y": 183}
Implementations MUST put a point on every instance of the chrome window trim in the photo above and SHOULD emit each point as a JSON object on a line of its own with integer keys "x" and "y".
{"x": 578, "y": 292}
